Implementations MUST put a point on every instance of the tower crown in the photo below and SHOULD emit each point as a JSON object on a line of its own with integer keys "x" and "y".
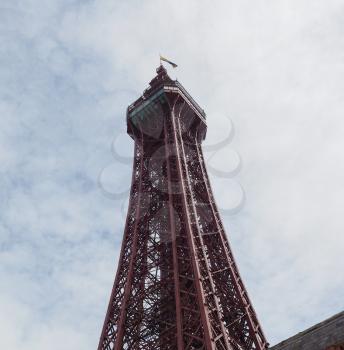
{"x": 163, "y": 96}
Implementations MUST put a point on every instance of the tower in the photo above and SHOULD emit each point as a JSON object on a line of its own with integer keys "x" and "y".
{"x": 177, "y": 285}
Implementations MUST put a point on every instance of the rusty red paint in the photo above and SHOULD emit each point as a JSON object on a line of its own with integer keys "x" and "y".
{"x": 177, "y": 284}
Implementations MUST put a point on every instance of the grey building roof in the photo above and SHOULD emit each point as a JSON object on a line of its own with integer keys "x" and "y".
{"x": 319, "y": 337}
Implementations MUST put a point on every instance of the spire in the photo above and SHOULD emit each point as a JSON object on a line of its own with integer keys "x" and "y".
{"x": 161, "y": 70}
{"x": 161, "y": 77}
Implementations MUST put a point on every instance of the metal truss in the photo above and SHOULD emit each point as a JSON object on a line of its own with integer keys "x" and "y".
{"x": 177, "y": 284}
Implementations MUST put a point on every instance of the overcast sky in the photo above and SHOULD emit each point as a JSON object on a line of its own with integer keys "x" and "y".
{"x": 68, "y": 71}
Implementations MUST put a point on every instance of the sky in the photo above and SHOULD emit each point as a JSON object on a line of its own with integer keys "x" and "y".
{"x": 269, "y": 73}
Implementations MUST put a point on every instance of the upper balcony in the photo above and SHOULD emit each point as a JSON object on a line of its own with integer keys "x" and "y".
{"x": 159, "y": 84}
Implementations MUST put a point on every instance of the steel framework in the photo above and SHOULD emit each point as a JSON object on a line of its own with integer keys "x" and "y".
{"x": 177, "y": 284}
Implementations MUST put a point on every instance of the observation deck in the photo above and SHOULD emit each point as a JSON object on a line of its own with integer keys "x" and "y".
{"x": 162, "y": 91}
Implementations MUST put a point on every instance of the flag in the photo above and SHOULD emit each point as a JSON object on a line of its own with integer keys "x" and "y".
{"x": 166, "y": 60}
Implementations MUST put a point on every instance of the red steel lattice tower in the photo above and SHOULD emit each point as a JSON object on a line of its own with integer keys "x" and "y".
{"x": 177, "y": 284}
